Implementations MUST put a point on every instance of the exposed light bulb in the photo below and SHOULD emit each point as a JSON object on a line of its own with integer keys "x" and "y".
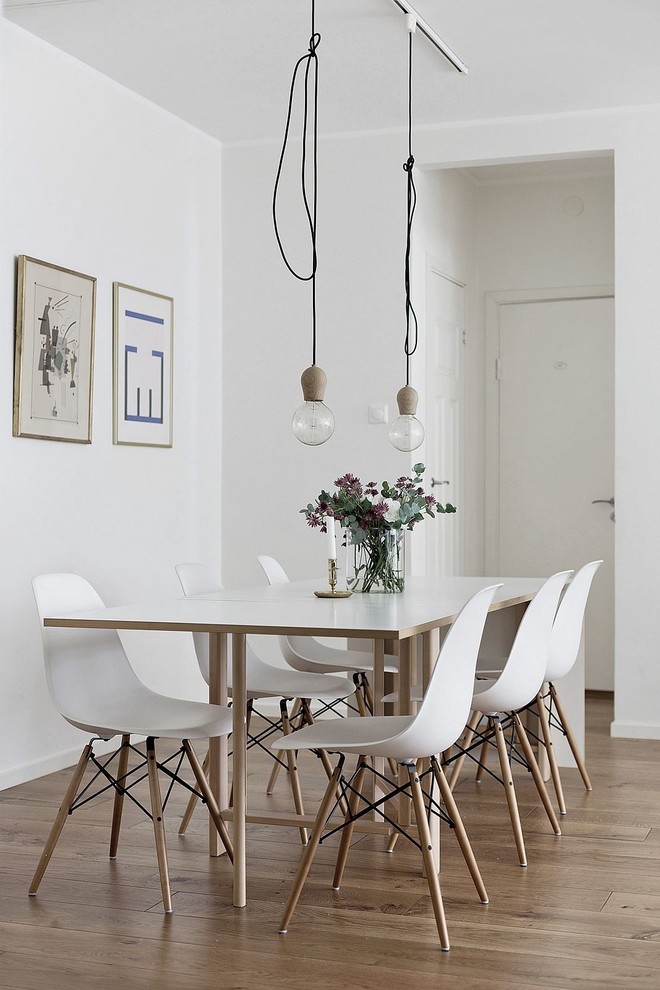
{"x": 406, "y": 432}
{"x": 313, "y": 423}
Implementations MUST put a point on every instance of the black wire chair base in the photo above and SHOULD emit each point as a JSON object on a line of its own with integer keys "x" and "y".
{"x": 487, "y": 736}
{"x": 124, "y": 784}
{"x": 346, "y": 790}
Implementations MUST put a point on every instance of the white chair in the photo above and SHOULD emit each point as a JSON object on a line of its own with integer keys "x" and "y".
{"x": 406, "y": 739}
{"x": 264, "y": 680}
{"x": 305, "y": 653}
{"x": 564, "y": 649}
{"x": 94, "y": 687}
{"x": 500, "y": 701}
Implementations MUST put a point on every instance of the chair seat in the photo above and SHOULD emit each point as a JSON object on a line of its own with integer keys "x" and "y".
{"x": 375, "y": 736}
{"x": 265, "y": 680}
{"x": 485, "y": 678}
{"x": 145, "y": 713}
{"x": 318, "y": 657}
{"x": 492, "y": 699}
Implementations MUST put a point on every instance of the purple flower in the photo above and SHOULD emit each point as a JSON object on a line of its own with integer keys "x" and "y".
{"x": 379, "y": 510}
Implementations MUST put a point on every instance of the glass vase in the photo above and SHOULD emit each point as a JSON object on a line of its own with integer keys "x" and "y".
{"x": 378, "y": 563}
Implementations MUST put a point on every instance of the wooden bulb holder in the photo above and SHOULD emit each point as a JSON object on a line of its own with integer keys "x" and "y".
{"x": 407, "y": 400}
{"x": 313, "y": 381}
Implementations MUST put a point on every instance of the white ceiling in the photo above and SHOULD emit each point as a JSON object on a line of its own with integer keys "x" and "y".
{"x": 225, "y": 65}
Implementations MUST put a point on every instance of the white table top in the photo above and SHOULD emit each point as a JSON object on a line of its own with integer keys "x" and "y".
{"x": 292, "y": 609}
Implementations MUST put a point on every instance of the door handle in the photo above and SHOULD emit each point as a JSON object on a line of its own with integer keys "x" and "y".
{"x": 434, "y": 482}
{"x": 606, "y": 501}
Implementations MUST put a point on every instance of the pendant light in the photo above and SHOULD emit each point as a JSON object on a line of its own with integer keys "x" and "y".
{"x": 313, "y": 423}
{"x": 406, "y": 432}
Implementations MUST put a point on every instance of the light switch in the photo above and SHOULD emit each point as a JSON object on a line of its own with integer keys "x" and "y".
{"x": 378, "y": 413}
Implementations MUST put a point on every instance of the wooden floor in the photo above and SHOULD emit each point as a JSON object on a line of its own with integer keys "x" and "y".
{"x": 584, "y": 914}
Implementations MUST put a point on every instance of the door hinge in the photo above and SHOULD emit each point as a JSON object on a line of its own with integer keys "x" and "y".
{"x": 498, "y": 369}
{"x": 464, "y": 336}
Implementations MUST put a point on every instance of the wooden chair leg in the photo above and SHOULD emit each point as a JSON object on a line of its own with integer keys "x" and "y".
{"x": 459, "y": 830}
{"x": 509, "y": 790}
{"x": 62, "y": 815}
{"x": 159, "y": 827}
{"x": 292, "y": 764}
{"x": 550, "y": 751}
{"x": 310, "y": 849}
{"x": 347, "y": 831}
{"x": 193, "y": 802}
{"x": 572, "y": 742}
{"x": 280, "y": 756}
{"x": 323, "y": 756}
{"x": 536, "y": 774}
{"x": 211, "y": 803}
{"x": 368, "y": 694}
{"x": 118, "y": 805}
{"x": 464, "y": 744}
{"x": 428, "y": 857}
{"x": 391, "y": 842}
{"x": 483, "y": 757}
{"x": 359, "y": 699}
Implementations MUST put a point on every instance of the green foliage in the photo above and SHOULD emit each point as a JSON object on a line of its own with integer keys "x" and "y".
{"x": 365, "y": 510}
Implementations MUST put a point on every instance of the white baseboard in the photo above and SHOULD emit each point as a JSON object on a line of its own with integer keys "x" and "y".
{"x": 635, "y": 730}
{"x": 49, "y": 764}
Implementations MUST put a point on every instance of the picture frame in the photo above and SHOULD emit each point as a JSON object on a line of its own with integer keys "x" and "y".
{"x": 54, "y": 352}
{"x": 143, "y": 334}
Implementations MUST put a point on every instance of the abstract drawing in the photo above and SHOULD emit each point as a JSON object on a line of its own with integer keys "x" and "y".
{"x": 142, "y": 367}
{"x": 54, "y": 342}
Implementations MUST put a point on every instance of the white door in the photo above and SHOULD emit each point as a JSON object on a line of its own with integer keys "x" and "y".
{"x": 556, "y": 453}
{"x": 445, "y": 391}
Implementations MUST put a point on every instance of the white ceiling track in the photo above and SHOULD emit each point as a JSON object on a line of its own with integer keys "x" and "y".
{"x": 434, "y": 38}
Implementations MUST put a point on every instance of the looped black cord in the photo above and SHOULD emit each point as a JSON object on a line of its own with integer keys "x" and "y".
{"x": 311, "y": 79}
{"x": 410, "y": 345}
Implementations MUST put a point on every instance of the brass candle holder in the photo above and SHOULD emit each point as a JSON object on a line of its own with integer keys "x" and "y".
{"x": 332, "y": 581}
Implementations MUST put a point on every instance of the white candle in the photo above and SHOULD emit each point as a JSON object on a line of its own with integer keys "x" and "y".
{"x": 330, "y": 536}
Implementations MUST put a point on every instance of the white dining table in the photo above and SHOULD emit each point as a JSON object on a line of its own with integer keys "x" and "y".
{"x": 421, "y": 610}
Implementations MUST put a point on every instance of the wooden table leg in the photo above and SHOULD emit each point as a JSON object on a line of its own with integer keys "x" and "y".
{"x": 430, "y": 648}
{"x": 239, "y": 761}
{"x": 379, "y": 676}
{"x": 374, "y": 791}
{"x": 407, "y": 662}
{"x": 218, "y": 747}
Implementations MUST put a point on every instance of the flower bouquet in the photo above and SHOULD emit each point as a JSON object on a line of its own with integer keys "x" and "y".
{"x": 375, "y": 519}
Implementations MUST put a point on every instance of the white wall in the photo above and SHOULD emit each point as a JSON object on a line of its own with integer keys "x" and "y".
{"x": 528, "y": 241}
{"x": 265, "y": 345}
{"x": 97, "y": 180}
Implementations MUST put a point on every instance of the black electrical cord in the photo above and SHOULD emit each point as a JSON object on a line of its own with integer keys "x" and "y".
{"x": 310, "y": 60}
{"x": 411, "y": 316}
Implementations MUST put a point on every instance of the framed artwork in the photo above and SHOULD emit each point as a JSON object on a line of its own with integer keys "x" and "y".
{"x": 53, "y": 365}
{"x": 143, "y": 333}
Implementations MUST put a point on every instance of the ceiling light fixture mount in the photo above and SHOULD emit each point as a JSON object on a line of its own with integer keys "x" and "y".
{"x": 425, "y": 28}
{"x": 313, "y": 423}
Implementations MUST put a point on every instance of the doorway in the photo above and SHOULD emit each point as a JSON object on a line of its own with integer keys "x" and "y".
{"x": 550, "y": 433}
